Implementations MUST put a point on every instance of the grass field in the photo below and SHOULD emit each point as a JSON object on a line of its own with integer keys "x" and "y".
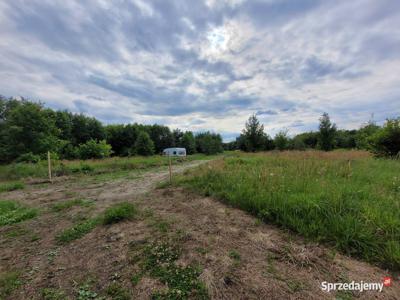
{"x": 346, "y": 199}
{"x": 17, "y": 171}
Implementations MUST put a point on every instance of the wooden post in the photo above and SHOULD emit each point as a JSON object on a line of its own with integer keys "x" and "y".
{"x": 49, "y": 165}
{"x": 170, "y": 169}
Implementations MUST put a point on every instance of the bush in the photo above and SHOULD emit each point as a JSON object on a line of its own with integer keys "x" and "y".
{"x": 70, "y": 152}
{"x": 94, "y": 149}
{"x": 29, "y": 158}
{"x": 386, "y": 141}
{"x": 119, "y": 212}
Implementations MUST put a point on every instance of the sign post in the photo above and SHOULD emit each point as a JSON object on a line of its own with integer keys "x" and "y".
{"x": 170, "y": 169}
{"x": 49, "y": 165}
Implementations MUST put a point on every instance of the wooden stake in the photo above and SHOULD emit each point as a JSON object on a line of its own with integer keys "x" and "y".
{"x": 49, "y": 165}
{"x": 170, "y": 169}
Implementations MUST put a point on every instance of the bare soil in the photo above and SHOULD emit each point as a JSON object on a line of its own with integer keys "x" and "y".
{"x": 240, "y": 257}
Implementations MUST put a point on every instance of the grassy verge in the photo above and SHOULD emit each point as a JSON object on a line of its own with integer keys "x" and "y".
{"x": 94, "y": 166}
{"x": 345, "y": 199}
{"x": 13, "y": 212}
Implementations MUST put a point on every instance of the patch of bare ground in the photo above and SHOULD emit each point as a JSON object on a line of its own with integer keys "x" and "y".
{"x": 239, "y": 257}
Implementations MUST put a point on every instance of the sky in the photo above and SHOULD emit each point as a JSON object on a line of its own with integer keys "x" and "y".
{"x": 206, "y": 65}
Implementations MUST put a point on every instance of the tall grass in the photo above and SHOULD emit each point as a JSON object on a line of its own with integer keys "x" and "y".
{"x": 92, "y": 166}
{"x": 344, "y": 198}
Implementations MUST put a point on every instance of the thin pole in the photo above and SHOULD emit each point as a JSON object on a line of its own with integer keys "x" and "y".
{"x": 49, "y": 165}
{"x": 170, "y": 169}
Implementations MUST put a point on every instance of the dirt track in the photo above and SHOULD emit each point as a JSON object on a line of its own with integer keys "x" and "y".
{"x": 269, "y": 263}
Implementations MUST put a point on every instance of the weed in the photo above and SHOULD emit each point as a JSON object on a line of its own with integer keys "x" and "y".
{"x": 119, "y": 212}
{"x": 11, "y": 186}
{"x": 8, "y": 283}
{"x": 77, "y": 231}
{"x": 85, "y": 293}
{"x": 14, "y": 212}
{"x": 234, "y": 255}
{"x": 135, "y": 279}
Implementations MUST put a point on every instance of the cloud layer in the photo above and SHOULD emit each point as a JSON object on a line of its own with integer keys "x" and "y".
{"x": 206, "y": 65}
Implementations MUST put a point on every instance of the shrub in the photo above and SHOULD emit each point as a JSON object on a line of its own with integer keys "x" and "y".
{"x": 119, "y": 212}
{"x": 94, "y": 149}
{"x": 386, "y": 141}
{"x": 28, "y": 157}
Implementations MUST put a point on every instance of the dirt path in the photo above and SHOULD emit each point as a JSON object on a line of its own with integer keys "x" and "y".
{"x": 240, "y": 258}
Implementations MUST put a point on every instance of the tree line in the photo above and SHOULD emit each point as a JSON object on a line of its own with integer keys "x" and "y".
{"x": 28, "y": 130}
{"x": 381, "y": 140}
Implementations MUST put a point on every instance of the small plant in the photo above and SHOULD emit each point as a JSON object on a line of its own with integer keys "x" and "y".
{"x": 85, "y": 293}
{"x": 234, "y": 255}
{"x": 117, "y": 292}
{"x": 13, "y": 212}
{"x": 135, "y": 279}
{"x": 119, "y": 212}
{"x": 8, "y": 283}
{"x": 53, "y": 294}
{"x": 77, "y": 231}
{"x": 11, "y": 186}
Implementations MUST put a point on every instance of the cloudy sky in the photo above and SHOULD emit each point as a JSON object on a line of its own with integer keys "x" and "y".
{"x": 206, "y": 65}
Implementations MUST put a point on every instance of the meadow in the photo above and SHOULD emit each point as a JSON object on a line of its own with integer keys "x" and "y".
{"x": 345, "y": 199}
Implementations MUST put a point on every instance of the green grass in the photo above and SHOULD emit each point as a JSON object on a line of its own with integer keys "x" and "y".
{"x": 8, "y": 283}
{"x": 11, "y": 186}
{"x": 64, "y": 205}
{"x": 345, "y": 199}
{"x": 119, "y": 212}
{"x": 77, "y": 231}
{"x": 13, "y": 212}
{"x": 16, "y": 171}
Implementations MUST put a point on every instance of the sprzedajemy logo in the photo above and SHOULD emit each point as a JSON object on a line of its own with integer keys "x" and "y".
{"x": 356, "y": 286}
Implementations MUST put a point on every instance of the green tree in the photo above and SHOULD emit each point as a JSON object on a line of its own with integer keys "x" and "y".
{"x": 209, "y": 143}
{"x": 327, "y": 133}
{"x": 281, "y": 140}
{"x": 161, "y": 137}
{"x": 144, "y": 145}
{"x": 386, "y": 141}
{"x": 28, "y": 127}
{"x": 253, "y": 136}
{"x": 364, "y": 135}
{"x": 189, "y": 142}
